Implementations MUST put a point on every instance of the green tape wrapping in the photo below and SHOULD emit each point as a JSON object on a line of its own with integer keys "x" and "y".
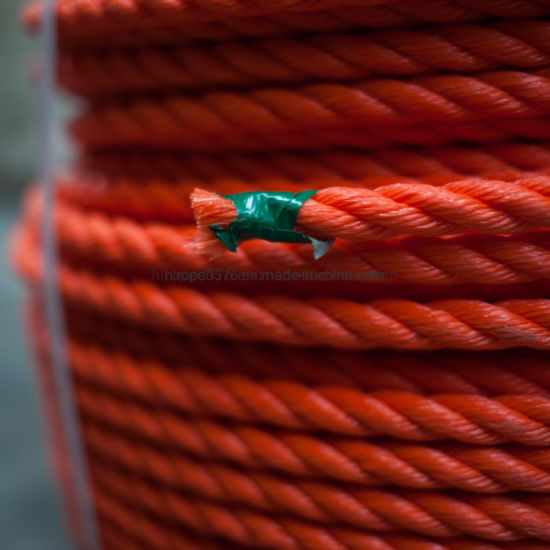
{"x": 267, "y": 215}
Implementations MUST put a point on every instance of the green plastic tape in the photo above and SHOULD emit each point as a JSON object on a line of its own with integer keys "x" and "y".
{"x": 267, "y": 215}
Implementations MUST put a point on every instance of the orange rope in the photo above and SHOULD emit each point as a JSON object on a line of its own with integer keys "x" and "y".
{"x": 94, "y": 22}
{"x": 194, "y": 10}
{"x": 363, "y": 215}
{"x": 466, "y": 48}
{"x": 339, "y": 411}
{"x": 427, "y": 513}
{"x": 310, "y": 456}
{"x": 399, "y": 323}
{"x": 125, "y": 245}
{"x": 495, "y": 373}
{"x": 407, "y": 412}
{"x": 314, "y": 167}
{"x": 253, "y": 530}
{"x": 417, "y": 466}
{"x": 486, "y": 107}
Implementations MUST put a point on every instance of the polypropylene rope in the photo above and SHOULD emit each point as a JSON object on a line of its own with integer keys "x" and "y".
{"x": 236, "y": 522}
{"x": 308, "y": 456}
{"x": 393, "y": 210}
{"x": 399, "y": 323}
{"x": 460, "y": 48}
{"x": 497, "y": 373}
{"x": 85, "y": 21}
{"x": 487, "y": 107}
{"x": 332, "y": 409}
{"x": 428, "y": 513}
{"x": 123, "y": 243}
{"x": 314, "y": 166}
{"x": 482, "y": 470}
{"x": 253, "y": 530}
{"x": 408, "y": 411}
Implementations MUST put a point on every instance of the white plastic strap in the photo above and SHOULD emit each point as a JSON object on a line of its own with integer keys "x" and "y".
{"x": 51, "y": 296}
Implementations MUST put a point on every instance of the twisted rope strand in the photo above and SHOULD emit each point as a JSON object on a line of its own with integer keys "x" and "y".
{"x": 474, "y": 519}
{"x": 497, "y": 260}
{"x": 116, "y": 128}
{"x": 462, "y": 48}
{"x": 128, "y": 245}
{"x": 411, "y": 466}
{"x": 164, "y": 201}
{"x": 151, "y": 200}
{"x": 161, "y": 31}
{"x": 191, "y": 10}
{"x": 430, "y": 513}
{"x": 296, "y": 282}
{"x": 494, "y": 104}
{"x": 251, "y": 529}
{"x": 403, "y": 324}
{"x": 157, "y": 187}
{"x": 482, "y": 373}
{"x": 409, "y": 208}
{"x": 494, "y": 373}
{"x": 355, "y": 461}
{"x": 120, "y": 531}
{"x": 103, "y": 22}
{"x": 114, "y": 168}
{"x": 335, "y": 409}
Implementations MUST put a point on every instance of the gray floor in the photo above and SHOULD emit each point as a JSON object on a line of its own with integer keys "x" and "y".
{"x": 29, "y": 512}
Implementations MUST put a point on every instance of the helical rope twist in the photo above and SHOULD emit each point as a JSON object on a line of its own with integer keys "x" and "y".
{"x": 363, "y": 215}
{"x": 127, "y": 244}
{"x": 338, "y": 57}
{"x": 478, "y": 468}
{"x": 495, "y": 105}
{"x": 322, "y": 165}
{"x": 80, "y": 22}
{"x": 265, "y": 399}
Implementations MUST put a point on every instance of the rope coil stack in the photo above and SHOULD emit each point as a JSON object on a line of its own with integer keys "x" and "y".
{"x": 410, "y": 411}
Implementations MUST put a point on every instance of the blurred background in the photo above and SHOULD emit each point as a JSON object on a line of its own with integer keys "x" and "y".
{"x": 29, "y": 505}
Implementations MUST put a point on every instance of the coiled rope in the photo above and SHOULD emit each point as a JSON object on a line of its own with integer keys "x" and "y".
{"x": 254, "y": 399}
